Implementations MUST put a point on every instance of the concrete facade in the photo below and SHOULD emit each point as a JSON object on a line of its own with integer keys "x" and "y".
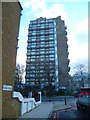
{"x": 10, "y": 29}
{"x": 63, "y": 53}
{"x": 47, "y": 53}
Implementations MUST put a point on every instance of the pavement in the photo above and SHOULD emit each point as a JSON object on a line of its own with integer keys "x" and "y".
{"x": 45, "y": 110}
{"x": 60, "y": 106}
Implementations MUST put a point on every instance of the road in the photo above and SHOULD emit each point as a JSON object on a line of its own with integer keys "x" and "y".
{"x": 57, "y": 98}
{"x": 69, "y": 114}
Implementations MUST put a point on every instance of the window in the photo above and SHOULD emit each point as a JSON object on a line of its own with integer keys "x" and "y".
{"x": 41, "y": 71}
{"x": 42, "y": 32}
{"x": 50, "y": 20}
{"x": 42, "y": 52}
{"x": 33, "y": 37}
{"x": 33, "y": 45}
{"x": 46, "y": 24}
{"x": 51, "y": 55}
{"x": 32, "y": 53}
{"x": 34, "y": 22}
{"x": 32, "y": 56}
{"x": 50, "y": 38}
{"x": 51, "y": 49}
{"x": 50, "y": 26}
{"x": 34, "y": 26}
{"x": 42, "y": 21}
{"x": 32, "y": 67}
{"x": 47, "y": 52}
{"x": 28, "y": 65}
{"x": 51, "y": 35}
{"x": 31, "y": 22}
{"x": 28, "y": 53}
{"x": 43, "y": 42}
{"x": 29, "y": 31}
{"x": 41, "y": 59}
{"x": 51, "y": 42}
{"x": 30, "y": 25}
{"x": 41, "y": 67}
{"x": 32, "y": 75}
{"x": 27, "y": 75}
{"x": 42, "y": 45}
{"x": 37, "y": 53}
{"x": 50, "y": 30}
{"x": 38, "y": 25}
{"x": 32, "y": 83}
{"x": 34, "y": 33}
{"x": 47, "y": 21}
{"x": 52, "y": 52}
{"x": 51, "y": 58}
{"x": 28, "y": 47}
{"x": 27, "y": 68}
{"x": 32, "y": 59}
{"x": 42, "y": 26}
{"x": 42, "y": 38}
{"x": 27, "y": 80}
{"x": 42, "y": 49}
{"x": 29, "y": 44}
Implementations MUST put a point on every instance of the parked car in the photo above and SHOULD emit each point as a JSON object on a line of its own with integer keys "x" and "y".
{"x": 83, "y": 102}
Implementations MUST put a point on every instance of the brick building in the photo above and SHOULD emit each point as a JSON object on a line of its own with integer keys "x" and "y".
{"x": 11, "y": 13}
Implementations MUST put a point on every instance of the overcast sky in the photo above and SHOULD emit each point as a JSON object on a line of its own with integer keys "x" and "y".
{"x": 75, "y": 15}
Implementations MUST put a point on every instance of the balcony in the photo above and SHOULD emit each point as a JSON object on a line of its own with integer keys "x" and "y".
{"x": 68, "y": 69}
{"x": 68, "y": 61}
{"x": 65, "y": 32}
{"x": 65, "y": 27}
{"x": 66, "y": 39}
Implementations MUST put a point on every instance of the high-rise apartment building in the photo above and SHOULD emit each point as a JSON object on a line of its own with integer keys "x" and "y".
{"x": 47, "y": 53}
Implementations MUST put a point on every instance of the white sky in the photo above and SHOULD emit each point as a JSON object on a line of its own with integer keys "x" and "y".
{"x": 75, "y": 15}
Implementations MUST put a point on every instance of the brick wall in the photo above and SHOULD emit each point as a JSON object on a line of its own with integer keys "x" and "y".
{"x": 0, "y": 60}
{"x": 10, "y": 28}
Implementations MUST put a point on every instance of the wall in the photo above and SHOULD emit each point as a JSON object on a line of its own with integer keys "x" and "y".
{"x": 62, "y": 48}
{"x": 10, "y": 28}
{"x": 0, "y": 60}
{"x": 27, "y": 104}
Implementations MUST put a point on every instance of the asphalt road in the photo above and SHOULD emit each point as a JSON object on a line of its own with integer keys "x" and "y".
{"x": 57, "y": 98}
{"x": 70, "y": 114}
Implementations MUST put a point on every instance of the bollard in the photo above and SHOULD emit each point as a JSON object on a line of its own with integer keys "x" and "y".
{"x": 54, "y": 116}
{"x": 65, "y": 101}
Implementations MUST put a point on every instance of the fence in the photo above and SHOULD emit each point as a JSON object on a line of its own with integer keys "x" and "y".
{"x": 27, "y": 104}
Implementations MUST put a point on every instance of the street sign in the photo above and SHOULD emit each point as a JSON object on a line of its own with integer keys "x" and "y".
{"x": 7, "y": 88}
{"x": 42, "y": 86}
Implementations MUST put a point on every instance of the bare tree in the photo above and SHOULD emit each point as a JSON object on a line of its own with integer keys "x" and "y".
{"x": 19, "y": 73}
{"x": 50, "y": 73}
{"x": 81, "y": 70}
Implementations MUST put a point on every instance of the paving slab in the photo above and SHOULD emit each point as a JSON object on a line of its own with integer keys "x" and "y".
{"x": 42, "y": 111}
{"x": 45, "y": 110}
